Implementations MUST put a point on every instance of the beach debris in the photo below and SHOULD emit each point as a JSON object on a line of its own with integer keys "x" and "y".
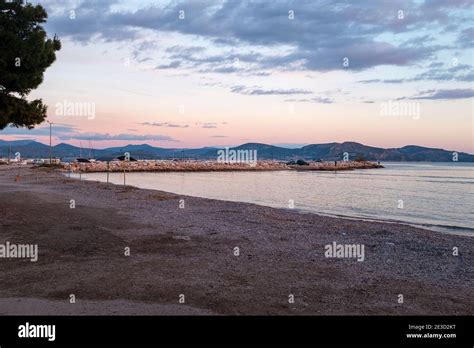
{"x": 182, "y": 238}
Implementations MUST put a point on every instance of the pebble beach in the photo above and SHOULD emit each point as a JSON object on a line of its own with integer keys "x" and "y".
{"x": 182, "y": 257}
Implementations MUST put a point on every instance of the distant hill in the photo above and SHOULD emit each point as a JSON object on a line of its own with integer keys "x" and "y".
{"x": 15, "y": 142}
{"x": 325, "y": 152}
{"x": 27, "y": 149}
{"x": 336, "y": 151}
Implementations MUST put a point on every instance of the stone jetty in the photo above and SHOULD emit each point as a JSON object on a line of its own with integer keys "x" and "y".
{"x": 208, "y": 166}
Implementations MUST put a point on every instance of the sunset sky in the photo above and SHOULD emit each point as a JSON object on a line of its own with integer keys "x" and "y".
{"x": 217, "y": 73}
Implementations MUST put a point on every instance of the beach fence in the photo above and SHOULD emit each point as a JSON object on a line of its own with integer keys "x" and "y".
{"x": 107, "y": 173}
{"x": 80, "y": 168}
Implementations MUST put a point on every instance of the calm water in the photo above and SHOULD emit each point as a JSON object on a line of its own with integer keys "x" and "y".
{"x": 436, "y": 196}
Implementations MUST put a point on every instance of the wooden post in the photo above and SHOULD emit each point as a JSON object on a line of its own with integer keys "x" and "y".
{"x": 108, "y": 168}
{"x": 18, "y": 177}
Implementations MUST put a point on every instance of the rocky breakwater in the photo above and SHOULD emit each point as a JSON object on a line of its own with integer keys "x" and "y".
{"x": 171, "y": 166}
{"x": 332, "y": 166}
{"x": 203, "y": 166}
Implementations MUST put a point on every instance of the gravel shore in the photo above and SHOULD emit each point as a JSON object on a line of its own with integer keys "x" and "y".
{"x": 191, "y": 251}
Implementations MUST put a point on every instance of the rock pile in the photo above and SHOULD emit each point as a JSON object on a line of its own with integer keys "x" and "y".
{"x": 203, "y": 166}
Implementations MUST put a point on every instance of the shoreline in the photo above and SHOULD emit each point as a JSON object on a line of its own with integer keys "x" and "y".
{"x": 190, "y": 251}
{"x": 445, "y": 229}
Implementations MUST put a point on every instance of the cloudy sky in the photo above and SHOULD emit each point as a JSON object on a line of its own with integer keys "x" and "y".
{"x": 202, "y": 73}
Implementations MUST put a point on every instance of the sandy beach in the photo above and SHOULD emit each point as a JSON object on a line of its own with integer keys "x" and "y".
{"x": 190, "y": 251}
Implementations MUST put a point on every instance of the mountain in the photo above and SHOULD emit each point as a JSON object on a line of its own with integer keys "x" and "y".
{"x": 67, "y": 150}
{"x": 14, "y": 142}
{"x": 418, "y": 153}
{"x": 27, "y": 149}
{"x": 326, "y": 152}
{"x": 264, "y": 151}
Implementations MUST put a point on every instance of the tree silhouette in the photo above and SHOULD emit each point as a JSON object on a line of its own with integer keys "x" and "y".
{"x": 25, "y": 53}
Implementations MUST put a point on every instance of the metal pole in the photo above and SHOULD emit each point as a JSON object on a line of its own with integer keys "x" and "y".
{"x": 50, "y": 142}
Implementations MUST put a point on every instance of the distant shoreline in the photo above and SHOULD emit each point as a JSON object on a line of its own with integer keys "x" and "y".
{"x": 326, "y": 152}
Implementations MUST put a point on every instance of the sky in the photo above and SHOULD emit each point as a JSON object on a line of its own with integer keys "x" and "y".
{"x": 199, "y": 73}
